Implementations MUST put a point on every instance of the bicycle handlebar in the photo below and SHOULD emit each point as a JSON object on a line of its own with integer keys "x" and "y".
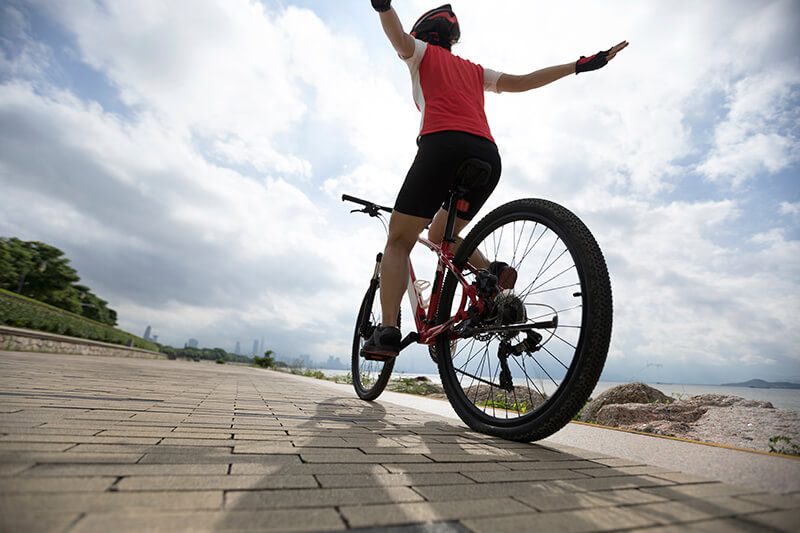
{"x": 369, "y": 207}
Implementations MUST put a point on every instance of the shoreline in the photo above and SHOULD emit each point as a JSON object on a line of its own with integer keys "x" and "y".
{"x": 774, "y": 431}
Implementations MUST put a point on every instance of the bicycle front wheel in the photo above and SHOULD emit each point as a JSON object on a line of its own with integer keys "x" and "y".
{"x": 524, "y": 366}
{"x": 369, "y": 376}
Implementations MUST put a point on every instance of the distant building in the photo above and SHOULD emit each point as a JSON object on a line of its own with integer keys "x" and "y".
{"x": 238, "y": 350}
{"x": 147, "y": 333}
{"x": 192, "y": 343}
{"x": 255, "y": 347}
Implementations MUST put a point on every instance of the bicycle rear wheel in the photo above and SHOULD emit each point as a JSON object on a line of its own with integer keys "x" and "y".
{"x": 523, "y": 375}
{"x": 369, "y": 376}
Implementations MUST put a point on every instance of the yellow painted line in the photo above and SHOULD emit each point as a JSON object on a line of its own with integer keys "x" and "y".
{"x": 681, "y": 439}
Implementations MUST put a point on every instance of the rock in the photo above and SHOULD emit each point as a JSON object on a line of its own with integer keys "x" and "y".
{"x": 719, "y": 400}
{"x": 638, "y": 415}
{"x": 676, "y": 418}
{"x": 622, "y": 394}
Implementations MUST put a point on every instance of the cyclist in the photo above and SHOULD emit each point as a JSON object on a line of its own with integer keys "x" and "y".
{"x": 448, "y": 91}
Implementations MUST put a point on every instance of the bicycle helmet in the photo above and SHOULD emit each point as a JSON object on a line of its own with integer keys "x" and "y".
{"x": 438, "y": 26}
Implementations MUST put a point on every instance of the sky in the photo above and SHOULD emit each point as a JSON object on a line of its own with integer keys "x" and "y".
{"x": 189, "y": 158}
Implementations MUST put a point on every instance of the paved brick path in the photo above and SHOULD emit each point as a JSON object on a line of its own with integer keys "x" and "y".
{"x": 108, "y": 444}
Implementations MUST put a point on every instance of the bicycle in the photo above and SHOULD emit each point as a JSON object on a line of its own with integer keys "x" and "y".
{"x": 518, "y": 362}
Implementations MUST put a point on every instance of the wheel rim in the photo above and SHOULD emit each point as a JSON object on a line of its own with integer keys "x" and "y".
{"x": 550, "y": 282}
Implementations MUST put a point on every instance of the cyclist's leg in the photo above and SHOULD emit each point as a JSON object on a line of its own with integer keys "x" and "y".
{"x": 403, "y": 232}
{"x": 436, "y": 234}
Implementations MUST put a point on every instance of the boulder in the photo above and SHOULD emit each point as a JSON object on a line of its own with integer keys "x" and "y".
{"x": 673, "y": 418}
{"x": 720, "y": 400}
{"x": 622, "y": 394}
{"x": 638, "y": 415}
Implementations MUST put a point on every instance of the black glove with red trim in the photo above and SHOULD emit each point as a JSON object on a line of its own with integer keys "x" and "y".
{"x": 585, "y": 64}
{"x": 381, "y": 6}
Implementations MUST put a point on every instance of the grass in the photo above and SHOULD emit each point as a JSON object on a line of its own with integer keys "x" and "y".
{"x": 783, "y": 445}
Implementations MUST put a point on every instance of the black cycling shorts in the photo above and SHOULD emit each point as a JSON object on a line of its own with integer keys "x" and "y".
{"x": 430, "y": 179}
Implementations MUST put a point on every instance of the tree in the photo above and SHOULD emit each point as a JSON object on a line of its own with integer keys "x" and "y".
{"x": 42, "y": 272}
{"x": 265, "y": 362}
{"x": 16, "y": 259}
{"x": 94, "y": 307}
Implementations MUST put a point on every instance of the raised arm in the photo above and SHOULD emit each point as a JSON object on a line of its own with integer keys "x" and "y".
{"x": 516, "y": 84}
{"x": 402, "y": 42}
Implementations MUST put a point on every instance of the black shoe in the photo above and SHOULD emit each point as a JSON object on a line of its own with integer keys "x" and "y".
{"x": 506, "y": 275}
{"x": 384, "y": 342}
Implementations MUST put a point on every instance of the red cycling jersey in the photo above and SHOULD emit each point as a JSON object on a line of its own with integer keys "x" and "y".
{"x": 448, "y": 91}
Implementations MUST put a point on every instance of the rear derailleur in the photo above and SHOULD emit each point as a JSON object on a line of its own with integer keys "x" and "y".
{"x": 506, "y": 349}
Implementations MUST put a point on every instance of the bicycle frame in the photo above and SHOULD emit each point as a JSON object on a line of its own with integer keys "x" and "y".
{"x": 425, "y": 320}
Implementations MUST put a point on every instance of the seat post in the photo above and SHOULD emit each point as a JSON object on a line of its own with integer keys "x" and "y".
{"x": 452, "y": 212}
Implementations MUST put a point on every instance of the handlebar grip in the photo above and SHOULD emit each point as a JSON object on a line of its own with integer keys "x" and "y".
{"x": 348, "y": 198}
{"x": 365, "y": 203}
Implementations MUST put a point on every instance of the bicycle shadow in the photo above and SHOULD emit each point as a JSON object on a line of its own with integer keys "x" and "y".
{"x": 318, "y": 461}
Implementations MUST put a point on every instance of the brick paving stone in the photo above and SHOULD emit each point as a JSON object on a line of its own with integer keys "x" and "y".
{"x": 33, "y": 522}
{"x": 690, "y": 511}
{"x": 719, "y": 525}
{"x": 483, "y": 490}
{"x": 614, "y": 483}
{"x": 654, "y": 471}
{"x": 579, "y": 466}
{"x": 224, "y": 482}
{"x": 61, "y": 484}
{"x": 680, "y": 477}
{"x": 322, "y": 497}
{"x": 77, "y": 439}
{"x": 342, "y": 457}
{"x": 784, "y": 520}
{"x": 389, "y": 480}
{"x": 218, "y": 458}
{"x": 118, "y": 470}
{"x": 403, "y": 468}
{"x": 523, "y": 475}
{"x": 35, "y": 446}
{"x": 704, "y": 490}
{"x": 569, "y": 521}
{"x": 12, "y": 469}
{"x": 425, "y": 512}
{"x": 772, "y": 500}
{"x": 566, "y": 501}
{"x": 325, "y": 519}
{"x": 307, "y": 469}
{"x": 266, "y": 447}
{"x": 68, "y": 457}
{"x": 85, "y": 502}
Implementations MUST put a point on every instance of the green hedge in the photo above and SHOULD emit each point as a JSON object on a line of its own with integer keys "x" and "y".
{"x": 21, "y": 312}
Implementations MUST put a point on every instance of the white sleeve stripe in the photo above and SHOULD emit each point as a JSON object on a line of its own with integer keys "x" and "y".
{"x": 490, "y": 78}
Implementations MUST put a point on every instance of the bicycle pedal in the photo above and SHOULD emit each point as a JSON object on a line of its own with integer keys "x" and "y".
{"x": 375, "y": 357}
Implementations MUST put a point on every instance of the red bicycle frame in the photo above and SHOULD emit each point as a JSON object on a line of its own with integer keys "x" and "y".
{"x": 425, "y": 320}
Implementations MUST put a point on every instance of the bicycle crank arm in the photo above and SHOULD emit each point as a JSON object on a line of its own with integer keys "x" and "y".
{"x": 514, "y": 328}
{"x": 410, "y": 339}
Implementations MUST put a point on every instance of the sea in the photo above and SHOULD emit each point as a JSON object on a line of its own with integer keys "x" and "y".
{"x": 779, "y": 398}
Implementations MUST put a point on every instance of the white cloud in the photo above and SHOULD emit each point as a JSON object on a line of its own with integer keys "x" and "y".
{"x": 757, "y": 135}
{"x": 790, "y": 208}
